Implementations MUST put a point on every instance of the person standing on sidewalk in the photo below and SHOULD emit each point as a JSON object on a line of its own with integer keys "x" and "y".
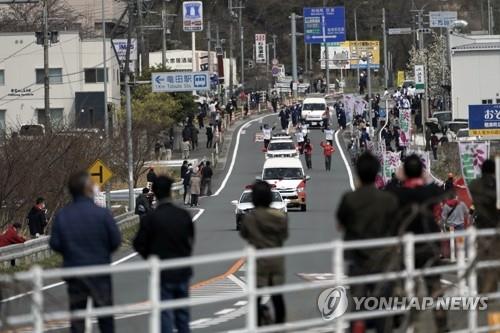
{"x": 206, "y": 179}
{"x": 308, "y": 149}
{"x": 328, "y": 151}
{"x": 454, "y": 214}
{"x": 210, "y": 136}
{"x": 86, "y": 235}
{"x": 168, "y": 233}
{"x": 263, "y": 228}
{"x": 195, "y": 187}
{"x": 434, "y": 145}
{"x": 37, "y": 219}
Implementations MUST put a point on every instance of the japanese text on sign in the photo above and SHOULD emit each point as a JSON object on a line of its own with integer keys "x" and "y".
{"x": 180, "y": 81}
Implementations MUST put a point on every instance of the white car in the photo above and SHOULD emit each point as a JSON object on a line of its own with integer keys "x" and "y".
{"x": 245, "y": 205}
{"x": 287, "y": 176}
{"x": 313, "y": 109}
{"x": 281, "y": 136}
{"x": 282, "y": 148}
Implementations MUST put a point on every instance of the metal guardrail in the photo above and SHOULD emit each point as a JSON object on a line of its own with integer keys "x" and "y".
{"x": 465, "y": 268}
{"x": 122, "y": 195}
{"x": 38, "y": 249}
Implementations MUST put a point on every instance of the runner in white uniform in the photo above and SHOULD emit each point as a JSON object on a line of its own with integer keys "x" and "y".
{"x": 329, "y": 135}
{"x": 267, "y": 133}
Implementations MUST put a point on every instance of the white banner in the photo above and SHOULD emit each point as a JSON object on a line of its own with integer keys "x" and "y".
{"x": 472, "y": 157}
{"x": 120, "y": 46}
{"x": 405, "y": 127}
{"x": 392, "y": 161}
{"x": 260, "y": 49}
{"x": 339, "y": 55}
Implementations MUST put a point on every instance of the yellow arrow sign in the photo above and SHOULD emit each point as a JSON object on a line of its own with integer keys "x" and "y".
{"x": 100, "y": 173}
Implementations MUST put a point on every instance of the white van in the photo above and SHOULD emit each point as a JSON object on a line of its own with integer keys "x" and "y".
{"x": 287, "y": 176}
{"x": 313, "y": 109}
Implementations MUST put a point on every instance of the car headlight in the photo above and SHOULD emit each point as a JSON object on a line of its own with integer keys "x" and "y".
{"x": 300, "y": 189}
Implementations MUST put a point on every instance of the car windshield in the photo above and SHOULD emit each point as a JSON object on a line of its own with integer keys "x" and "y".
{"x": 313, "y": 107}
{"x": 283, "y": 173}
{"x": 281, "y": 146}
{"x": 445, "y": 116}
{"x": 247, "y": 197}
{"x": 454, "y": 127}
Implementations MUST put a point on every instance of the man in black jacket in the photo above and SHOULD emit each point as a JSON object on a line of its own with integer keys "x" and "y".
{"x": 168, "y": 232}
{"x": 206, "y": 179}
{"x": 37, "y": 221}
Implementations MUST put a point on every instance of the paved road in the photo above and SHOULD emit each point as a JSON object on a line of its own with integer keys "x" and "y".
{"x": 215, "y": 229}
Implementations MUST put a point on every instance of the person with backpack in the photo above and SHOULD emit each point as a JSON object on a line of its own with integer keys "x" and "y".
{"x": 454, "y": 214}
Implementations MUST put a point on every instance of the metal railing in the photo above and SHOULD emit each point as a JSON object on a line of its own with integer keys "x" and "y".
{"x": 38, "y": 249}
{"x": 465, "y": 267}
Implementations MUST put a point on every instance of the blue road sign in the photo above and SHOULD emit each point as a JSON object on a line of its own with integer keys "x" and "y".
{"x": 180, "y": 81}
{"x": 192, "y": 16}
{"x": 484, "y": 120}
{"x": 324, "y": 25}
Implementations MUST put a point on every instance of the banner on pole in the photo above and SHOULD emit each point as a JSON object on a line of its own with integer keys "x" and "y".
{"x": 260, "y": 49}
{"x": 472, "y": 157}
{"x": 392, "y": 161}
{"x": 405, "y": 127}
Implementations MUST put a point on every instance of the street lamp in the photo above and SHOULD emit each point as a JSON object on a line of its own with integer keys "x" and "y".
{"x": 356, "y": 26}
{"x": 455, "y": 26}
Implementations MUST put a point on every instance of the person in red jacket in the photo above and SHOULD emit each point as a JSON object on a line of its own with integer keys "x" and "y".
{"x": 328, "y": 151}
{"x": 11, "y": 236}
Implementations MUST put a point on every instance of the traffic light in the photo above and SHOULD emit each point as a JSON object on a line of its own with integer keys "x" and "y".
{"x": 53, "y": 37}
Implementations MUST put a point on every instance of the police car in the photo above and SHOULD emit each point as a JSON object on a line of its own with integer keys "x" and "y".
{"x": 281, "y": 148}
{"x": 244, "y": 205}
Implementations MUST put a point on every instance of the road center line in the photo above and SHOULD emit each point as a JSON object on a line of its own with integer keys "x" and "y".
{"x": 346, "y": 162}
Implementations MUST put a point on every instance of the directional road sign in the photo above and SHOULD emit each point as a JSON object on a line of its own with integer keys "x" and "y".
{"x": 442, "y": 19}
{"x": 484, "y": 120}
{"x": 399, "y": 31}
{"x": 180, "y": 81}
{"x": 100, "y": 173}
{"x": 324, "y": 25}
{"x": 192, "y": 16}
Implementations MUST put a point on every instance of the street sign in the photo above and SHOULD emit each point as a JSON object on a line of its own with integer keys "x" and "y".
{"x": 120, "y": 46}
{"x": 260, "y": 49}
{"x": 442, "y": 19}
{"x": 484, "y": 120}
{"x": 419, "y": 78}
{"x": 192, "y": 16}
{"x": 324, "y": 25}
{"x": 338, "y": 54}
{"x": 362, "y": 49}
{"x": 100, "y": 173}
{"x": 399, "y": 31}
{"x": 275, "y": 71}
{"x": 180, "y": 81}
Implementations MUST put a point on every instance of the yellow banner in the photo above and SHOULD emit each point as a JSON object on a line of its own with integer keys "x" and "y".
{"x": 401, "y": 78}
{"x": 485, "y": 132}
{"x": 362, "y": 48}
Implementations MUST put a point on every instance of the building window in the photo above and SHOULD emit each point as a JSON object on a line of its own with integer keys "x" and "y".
{"x": 3, "y": 124}
{"x": 95, "y": 75}
{"x": 498, "y": 100}
{"x": 172, "y": 60}
{"x": 178, "y": 60}
{"x": 2, "y": 77}
{"x": 56, "y": 117}
{"x": 487, "y": 101}
{"x": 55, "y": 76}
{"x": 190, "y": 59}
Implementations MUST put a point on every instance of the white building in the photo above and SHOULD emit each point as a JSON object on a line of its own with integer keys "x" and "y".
{"x": 90, "y": 14}
{"x": 76, "y": 89}
{"x": 182, "y": 60}
{"x": 475, "y": 64}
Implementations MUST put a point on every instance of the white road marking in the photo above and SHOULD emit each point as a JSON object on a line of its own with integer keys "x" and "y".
{"x": 235, "y": 155}
{"x": 243, "y": 132}
{"x": 224, "y": 311}
{"x": 237, "y": 281}
{"x": 114, "y": 263}
{"x": 346, "y": 162}
{"x": 200, "y": 321}
{"x": 240, "y": 303}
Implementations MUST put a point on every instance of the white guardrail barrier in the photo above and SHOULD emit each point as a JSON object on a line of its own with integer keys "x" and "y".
{"x": 38, "y": 249}
{"x": 465, "y": 268}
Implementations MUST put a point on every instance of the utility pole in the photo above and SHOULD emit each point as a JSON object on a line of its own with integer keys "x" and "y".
{"x": 46, "y": 72}
{"x": 356, "y": 36}
{"x": 105, "y": 90}
{"x": 369, "y": 78}
{"x": 274, "y": 46}
{"x": 231, "y": 69}
{"x": 386, "y": 63}
{"x": 128, "y": 108}
{"x": 490, "y": 18}
{"x": 144, "y": 56}
{"x": 294, "y": 53}
{"x": 327, "y": 55}
{"x": 242, "y": 45}
{"x": 163, "y": 35}
{"x": 209, "y": 47}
